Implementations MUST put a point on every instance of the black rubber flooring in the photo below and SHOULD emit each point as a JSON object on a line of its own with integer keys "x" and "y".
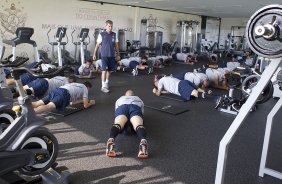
{"x": 182, "y": 148}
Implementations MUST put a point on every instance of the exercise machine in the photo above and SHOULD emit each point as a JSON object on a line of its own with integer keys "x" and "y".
{"x": 59, "y": 36}
{"x": 186, "y": 35}
{"x": 25, "y": 145}
{"x": 263, "y": 34}
{"x": 82, "y": 43}
{"x": 23, "y": 35}
{"x": 7, "y": 116}
{"x": 241, "y": 82}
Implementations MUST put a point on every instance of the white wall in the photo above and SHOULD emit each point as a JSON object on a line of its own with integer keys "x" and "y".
{"x": 226, "y": 24}
{"x": 73, "y": 14}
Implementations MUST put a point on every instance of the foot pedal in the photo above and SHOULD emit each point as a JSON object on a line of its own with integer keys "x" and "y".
{"x": 52, "y": 176}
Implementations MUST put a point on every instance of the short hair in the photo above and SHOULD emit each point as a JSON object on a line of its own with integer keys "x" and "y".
{"x": 109, "y": 22}
{"x": 129, "y": 93}
{"x": 87, "y": 84}
{"x": 213, "y": 58}
{"x": 72, "y": 78}
{"x": 229, "y": 55}
{"x": 144, "y": 57}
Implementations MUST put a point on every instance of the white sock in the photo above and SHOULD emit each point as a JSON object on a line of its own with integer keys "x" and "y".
{"x": 103, "y": 84}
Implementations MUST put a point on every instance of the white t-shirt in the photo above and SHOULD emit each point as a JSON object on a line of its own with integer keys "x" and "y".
{"x": 249, "y": 62}
{"x": 183, "y": 56}
{"x": 130, "y": 100}
{"x": 196, "y": 78}
{"x": 56, "y": 82}
{"x": 99, "y": 39}
{"x": 232, "y": 65}
{"x": 84, "y": 70}
{"x": 169, "y": 84}
{"x": 163, "y": 57}
{"x": 125, "y": 62}
{"x": 98, "y": 63}
{"x": 210, "y": 72}
{"x": 77, "y": 91}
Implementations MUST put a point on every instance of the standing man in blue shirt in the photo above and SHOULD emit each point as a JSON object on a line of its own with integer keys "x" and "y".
{"x": 109, "y": 45}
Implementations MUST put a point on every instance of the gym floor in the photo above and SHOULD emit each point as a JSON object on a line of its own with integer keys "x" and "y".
{"x": 182, "y": 148}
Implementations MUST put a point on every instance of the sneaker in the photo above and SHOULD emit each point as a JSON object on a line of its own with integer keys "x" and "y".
{"x": 105, "y": 89}
{"x": 110, "y": 151}
{"x": 150, "y": 70}
{"x": 143, "y": 149}
{"x": 218, "y": 102}
{"x": 134, "y": 72}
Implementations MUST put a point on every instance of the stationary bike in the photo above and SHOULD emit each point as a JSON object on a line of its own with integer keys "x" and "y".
{"x": 7, "y": 116}
{"x": 25, "y": 145}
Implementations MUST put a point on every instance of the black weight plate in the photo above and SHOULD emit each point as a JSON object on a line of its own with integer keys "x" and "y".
{"x": 270, "y": 48}
{"x": 250, "y": 82}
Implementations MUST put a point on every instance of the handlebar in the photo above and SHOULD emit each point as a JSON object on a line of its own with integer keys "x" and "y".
{"x": 72, "y": 39}
{"x": 48, "y": 35}
{"x": 54, "y": 72}
{"x": 19, "y": 61}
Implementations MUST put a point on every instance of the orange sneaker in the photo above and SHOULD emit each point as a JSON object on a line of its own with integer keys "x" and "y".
{"x": 110, "y": 152}
{"x": 143, "y": 149}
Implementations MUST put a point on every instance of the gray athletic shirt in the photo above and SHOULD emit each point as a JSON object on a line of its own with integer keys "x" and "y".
{"x": 169, "y": 84}
{"x": 196, "y": 78}
{"x": 56, "y": 82}
{"x": 130, "y": 100}
{"x": 99, "y": 63}
{"x": 77, "y": 91}
{"x": 125, "y": 62}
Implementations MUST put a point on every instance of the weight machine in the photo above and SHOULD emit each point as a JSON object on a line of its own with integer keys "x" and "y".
{"x": 186, "y": 35}
{"x": 263, "y": 33}
{"x": 150, "y": 38}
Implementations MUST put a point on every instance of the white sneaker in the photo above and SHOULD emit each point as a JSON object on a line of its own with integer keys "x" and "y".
{"x": 150, "y": 70}
{"x": 134, "y": 72}
{"x": 105, "y": 90}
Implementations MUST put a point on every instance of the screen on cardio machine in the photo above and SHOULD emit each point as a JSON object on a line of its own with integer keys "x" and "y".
{"x": 83, "y": 34}
{"x": 61, "y": 33}
{"x": 24, "y": 33}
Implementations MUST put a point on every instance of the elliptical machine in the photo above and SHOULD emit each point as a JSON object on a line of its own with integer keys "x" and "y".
{"x": 25, "y": 145}
{"x": 83, "y": 44}
{"x": 60, "y": 34}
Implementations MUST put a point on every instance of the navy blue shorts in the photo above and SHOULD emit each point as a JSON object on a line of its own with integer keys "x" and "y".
{"x": 60, "y": 97}
{"x": 133, "y": 64}
{"x": 185, "y": 89}
{"x": 129, "y": 110}
{"x": 179, "y": 75}
{"x": 40, "y": 87}
{"x": 27, "y": 78}
{"x": 108, "y": 64}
